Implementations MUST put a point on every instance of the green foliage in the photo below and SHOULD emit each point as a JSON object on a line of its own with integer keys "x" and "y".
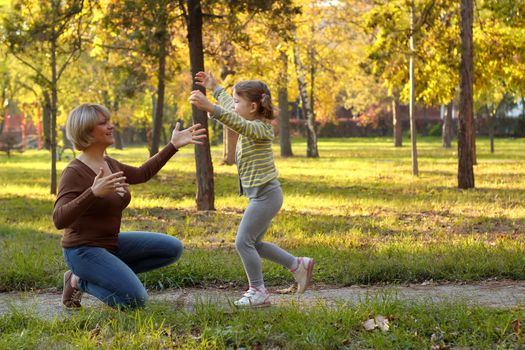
{"x": 435, "y": 130}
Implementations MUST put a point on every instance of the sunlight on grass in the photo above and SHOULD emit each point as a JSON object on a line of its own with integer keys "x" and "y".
{"x": 357, "y": 209}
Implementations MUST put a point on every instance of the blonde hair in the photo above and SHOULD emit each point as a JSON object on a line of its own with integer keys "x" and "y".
{"x": 81, "y": 121}
{"x": 258, "y": 92}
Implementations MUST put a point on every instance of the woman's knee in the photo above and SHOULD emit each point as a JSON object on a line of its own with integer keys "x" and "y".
{"x": 175, "y": 248}
{"x": 132, "y": 299}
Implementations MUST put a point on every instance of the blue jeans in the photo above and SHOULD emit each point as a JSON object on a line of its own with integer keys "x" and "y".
{"x": 111, "y": 275}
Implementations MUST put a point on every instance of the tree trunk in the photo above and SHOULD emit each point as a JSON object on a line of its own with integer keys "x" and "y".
{"x": 311, "y": 135}
{"x": 46, "y": 119}
{"x": 229, "y": 139}
{"x": 284, "y": 114}
{"x": 413, "y": 132}
{"x": 119, "y": 144}
{"x": 205, "y": 186}
{"x": 53, "y": 125}
{"x": 397, "y": 124}
{"x": 159, "y": 110}
{"x": 447, "y": 127}
{"x": 490, "y": 122}
{"x": 466, "y": 116}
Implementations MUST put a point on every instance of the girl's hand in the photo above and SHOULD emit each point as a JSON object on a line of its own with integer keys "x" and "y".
{"x": 199, "y": 100}
{"x": 206, "y": 79}
{"x": 193, "y": 135}
{"x": 104, "y": 185}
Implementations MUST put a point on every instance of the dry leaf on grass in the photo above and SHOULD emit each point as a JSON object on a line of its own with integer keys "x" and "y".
{"x": 95, "y": 331}
{"x": 289, "y": 290}
{"x": 516, "y": 326}
{"x": 369, "y": 324}
{"x": 382, "y": 323}
{"x": 379, "y": 321}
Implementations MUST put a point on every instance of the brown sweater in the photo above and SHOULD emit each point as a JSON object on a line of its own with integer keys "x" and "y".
{"x": 90, "y": 220}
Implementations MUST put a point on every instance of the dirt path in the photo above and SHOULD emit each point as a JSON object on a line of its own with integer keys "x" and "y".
{"x": 503, "y": 294}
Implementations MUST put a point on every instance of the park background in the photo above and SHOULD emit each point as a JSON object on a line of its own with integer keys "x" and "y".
{"x": 397, "y": 165}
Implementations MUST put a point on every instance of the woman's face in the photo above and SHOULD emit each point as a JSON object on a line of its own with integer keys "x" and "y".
{"x": 102, "y": 133}
{"x": 243, "y": 107}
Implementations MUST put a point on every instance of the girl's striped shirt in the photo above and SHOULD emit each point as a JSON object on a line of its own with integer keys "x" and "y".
{"x": 253, "y": 155}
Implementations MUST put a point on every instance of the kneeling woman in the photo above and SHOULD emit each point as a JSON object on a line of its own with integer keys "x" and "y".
{"x": 92, "y": 194}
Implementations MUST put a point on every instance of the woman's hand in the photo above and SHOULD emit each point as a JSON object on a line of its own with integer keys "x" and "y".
{"x": 206, "y": 80}
{"x": 199, "y": 100}
{"x": 193, "y": 135}
{"x": 113, "y": 183}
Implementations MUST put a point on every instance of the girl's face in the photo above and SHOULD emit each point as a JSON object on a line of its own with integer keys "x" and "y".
{"x": 102, "y": 133}
{"x": 244, "y": 107}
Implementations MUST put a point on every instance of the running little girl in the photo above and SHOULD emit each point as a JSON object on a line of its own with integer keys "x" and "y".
{"x": 247, "y": 113}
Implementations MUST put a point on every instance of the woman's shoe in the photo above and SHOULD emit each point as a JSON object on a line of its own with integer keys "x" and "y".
{"x": 71, "y": 296}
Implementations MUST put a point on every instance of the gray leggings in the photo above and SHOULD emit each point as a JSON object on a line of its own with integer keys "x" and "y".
{"x": 254, "y": 224}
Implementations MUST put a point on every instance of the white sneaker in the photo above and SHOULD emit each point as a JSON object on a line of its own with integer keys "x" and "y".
{"x": 254, "y": 298}
{"x": 303, "y": 273}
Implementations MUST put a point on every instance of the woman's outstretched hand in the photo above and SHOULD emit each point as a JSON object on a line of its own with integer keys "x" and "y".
{"x": 104, "y": 185}
{"x": 206, "y": 80}
{"x": 194, "y": 134}
{"x": 199, "y": 100}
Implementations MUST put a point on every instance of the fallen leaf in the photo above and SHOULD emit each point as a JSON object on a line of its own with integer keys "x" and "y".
{"x": 382, "y": 323}
{"x": 289, "y": 290}
{"x": 516, "y": 326}
{"x": 95, "y": 331}
{"x": 369, "y": 324}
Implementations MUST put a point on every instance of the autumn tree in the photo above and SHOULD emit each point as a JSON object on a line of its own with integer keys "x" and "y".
{"x": 47, "y": 37}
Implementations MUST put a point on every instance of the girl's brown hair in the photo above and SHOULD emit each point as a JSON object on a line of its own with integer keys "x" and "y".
{"x": 258, "y": 92}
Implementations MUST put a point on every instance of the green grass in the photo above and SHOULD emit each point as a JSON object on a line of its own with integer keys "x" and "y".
{"x": 161, "y": 326}
{"x": 357, "y": 210}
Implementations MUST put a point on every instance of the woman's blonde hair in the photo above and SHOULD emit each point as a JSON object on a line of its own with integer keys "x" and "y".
{"x": 81, "y": 121}
{"x": 258, "y": 92}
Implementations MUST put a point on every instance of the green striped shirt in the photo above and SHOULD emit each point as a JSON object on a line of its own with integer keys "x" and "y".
{"x": 254, "y": 155}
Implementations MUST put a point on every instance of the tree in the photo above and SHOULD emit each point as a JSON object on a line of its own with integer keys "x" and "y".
{"x": 447, "y": 126}
{"x": 284, "y": 115}
{"x": 306, "y": 106}
{"x": 466, "y": 113}
{"x": 46, "y": 37}
{"x": 145, "y": 28}
{"x": 205, "y": 185}
{"x": 433, "y": 29}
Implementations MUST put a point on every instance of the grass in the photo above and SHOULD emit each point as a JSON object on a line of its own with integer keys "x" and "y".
{"x": 160, "y": 326}
{"x": 357, "y": 210}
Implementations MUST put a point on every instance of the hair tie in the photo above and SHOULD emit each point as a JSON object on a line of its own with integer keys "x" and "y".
{"x": 262, "y": 95}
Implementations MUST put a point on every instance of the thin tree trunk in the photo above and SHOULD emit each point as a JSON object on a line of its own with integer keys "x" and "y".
{"x": 119, "y": 144}
{"x": 284, "y": 114}
{"x": 46, "y": 119}
{"x": 229, "y": 139}
{"x": 466, "y": 116}
{"x": 397, "y": 124}
{"x": 311, "y": 135}
{"x": 159, "y": 110}
{"x": 447, "y": 127}
{"x": 490, "y": 123}
{"x": 54, "y": 101}
{"x": 205, "y": 187}
{"x": 413, "y": 132}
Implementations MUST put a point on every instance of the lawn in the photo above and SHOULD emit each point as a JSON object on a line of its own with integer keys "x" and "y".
{"x": 357, "y": 210}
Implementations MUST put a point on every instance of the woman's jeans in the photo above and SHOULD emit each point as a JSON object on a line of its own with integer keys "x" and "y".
{"x": 111, "y": 275}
